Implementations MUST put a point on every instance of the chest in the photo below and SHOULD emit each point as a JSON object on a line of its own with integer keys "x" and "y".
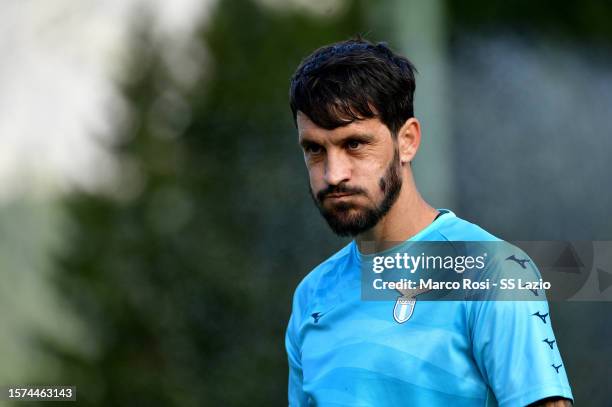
{"x": 360, "y": 345}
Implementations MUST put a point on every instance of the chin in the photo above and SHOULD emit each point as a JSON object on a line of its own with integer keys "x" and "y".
{"x": 345, "y": 212}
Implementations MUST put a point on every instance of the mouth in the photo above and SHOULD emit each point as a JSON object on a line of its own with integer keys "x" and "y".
{"x": 336, "y": 196}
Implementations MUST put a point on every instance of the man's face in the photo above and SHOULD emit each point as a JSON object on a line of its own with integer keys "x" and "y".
{"x": 354, "y": 171}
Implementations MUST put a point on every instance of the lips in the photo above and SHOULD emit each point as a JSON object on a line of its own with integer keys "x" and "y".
{"x": 338, "y": 196}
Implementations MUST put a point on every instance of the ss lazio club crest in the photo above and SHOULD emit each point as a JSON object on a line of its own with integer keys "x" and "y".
{"x": 404, "y": 306}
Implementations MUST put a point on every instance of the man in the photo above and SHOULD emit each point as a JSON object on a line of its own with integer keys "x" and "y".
{"x": 352, "y": 103}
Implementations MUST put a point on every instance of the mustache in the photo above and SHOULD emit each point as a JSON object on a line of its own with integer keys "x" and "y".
{"x": 338, "y": 189}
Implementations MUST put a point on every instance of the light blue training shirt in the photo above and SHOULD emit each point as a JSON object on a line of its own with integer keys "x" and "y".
{"x": 344, "y": 351}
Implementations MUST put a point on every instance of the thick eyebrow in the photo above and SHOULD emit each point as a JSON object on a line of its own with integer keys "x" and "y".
{"x": 305, "y": 142}
{"x": 363, "y": 137}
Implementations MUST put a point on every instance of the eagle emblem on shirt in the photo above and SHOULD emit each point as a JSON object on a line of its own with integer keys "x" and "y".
{"x": 405, "y": 303}
{"x": 404, "y": 307}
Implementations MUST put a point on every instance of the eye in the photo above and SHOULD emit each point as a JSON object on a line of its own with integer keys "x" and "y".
{"x": 353, "y": 144}
{"x": 313, "y": 149}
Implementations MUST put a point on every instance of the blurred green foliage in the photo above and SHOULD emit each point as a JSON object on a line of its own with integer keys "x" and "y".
{"x": 184, "y": 276}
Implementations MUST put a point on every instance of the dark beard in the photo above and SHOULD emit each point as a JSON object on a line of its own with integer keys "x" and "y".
{"x": 338, "y": 217}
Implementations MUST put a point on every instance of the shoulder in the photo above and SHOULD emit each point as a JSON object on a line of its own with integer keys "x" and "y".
{"x": 505, "y": 261}
{"x": 321, "y": 279}
{"x": 453, "y": 228}
{"x": 503, "y": 256}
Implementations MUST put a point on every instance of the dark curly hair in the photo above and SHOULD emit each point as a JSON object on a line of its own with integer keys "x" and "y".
{"x": 352, "y": 80}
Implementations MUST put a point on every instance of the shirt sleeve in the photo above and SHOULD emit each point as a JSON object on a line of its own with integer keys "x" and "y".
{"x": 296, "y": 394}
{"x": 516, "y": 350}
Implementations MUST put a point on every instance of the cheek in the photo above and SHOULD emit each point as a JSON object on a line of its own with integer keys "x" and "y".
{"x": 367, "y": 174}
{"x": 315, "y": 175}
{"x": 371, "y": 161}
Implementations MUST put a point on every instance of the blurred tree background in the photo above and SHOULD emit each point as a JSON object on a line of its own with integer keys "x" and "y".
{"x": 181, "y": 274}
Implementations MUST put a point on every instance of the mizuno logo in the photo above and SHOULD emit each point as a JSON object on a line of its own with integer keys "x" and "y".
{"x": 556, "y": 367}
{"x": 521, "y": 262}
{"x": 542, "y": 317}
{"x": 534, "y": 291}
{"x": 549, "y": 342}
{"x": 315, "y": 317}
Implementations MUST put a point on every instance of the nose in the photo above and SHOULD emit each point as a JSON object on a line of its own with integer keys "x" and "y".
{"x": 337, "y": 169}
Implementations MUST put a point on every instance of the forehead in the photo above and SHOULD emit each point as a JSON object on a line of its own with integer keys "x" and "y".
{"x": 309, "y": 130}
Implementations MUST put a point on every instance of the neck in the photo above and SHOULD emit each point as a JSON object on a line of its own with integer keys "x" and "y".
{"x": 408, "y": 216}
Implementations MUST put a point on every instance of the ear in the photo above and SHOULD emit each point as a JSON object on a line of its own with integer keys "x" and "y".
{"x": 408, "y": 140}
